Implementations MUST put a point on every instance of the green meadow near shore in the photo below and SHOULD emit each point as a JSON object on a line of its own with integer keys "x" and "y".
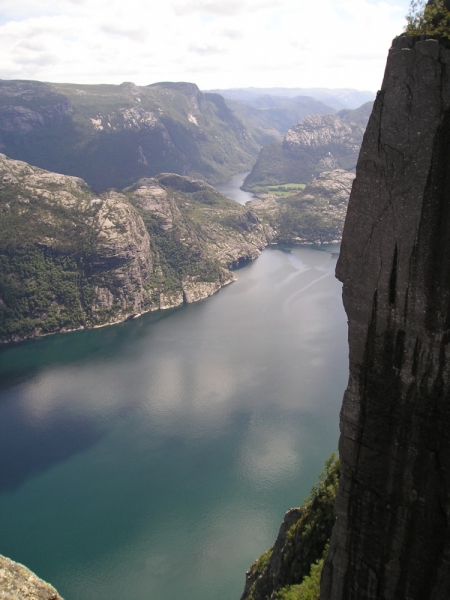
{"x": 282, "y": 190}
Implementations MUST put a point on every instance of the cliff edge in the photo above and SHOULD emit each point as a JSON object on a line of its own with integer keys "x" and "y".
{"x": 391, "y": 540}
{"x": 16, "y": 581}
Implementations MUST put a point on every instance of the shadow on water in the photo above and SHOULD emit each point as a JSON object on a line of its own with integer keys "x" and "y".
{"x": 26, "y": 450}
{"x": 19, "y": 361}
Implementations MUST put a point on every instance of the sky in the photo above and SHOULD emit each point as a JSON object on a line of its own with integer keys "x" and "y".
{"x": 213, "y": 43}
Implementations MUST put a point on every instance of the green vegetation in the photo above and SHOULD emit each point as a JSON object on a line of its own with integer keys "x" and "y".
{"x": 259, "y": 565}
{"x": 283, "y": 190}
{"x": 432, "y": 18}
{"x": 41, "y": 290}
{"x": 309, "y": 589}
{"x": 311, "y": 534}
{"x": 292, "y": 569}
{"x": 299, "y": 219}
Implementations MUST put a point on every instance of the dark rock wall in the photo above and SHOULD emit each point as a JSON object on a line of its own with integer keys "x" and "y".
{"x": 392, "y": 535}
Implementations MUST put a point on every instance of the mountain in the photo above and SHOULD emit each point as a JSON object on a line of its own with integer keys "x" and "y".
{"x": 113, "y": 135}
{"x": 337, "y": 98}
{"x": 318, "y": 143}
{"x": 70, "y": 258}
{"x": 270, "y": 117}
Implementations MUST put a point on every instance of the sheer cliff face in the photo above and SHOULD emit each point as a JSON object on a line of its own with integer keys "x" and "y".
{"x": 392, "y": 536}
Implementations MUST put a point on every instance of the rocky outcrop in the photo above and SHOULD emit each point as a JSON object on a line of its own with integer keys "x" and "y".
{"x": 313, "y": 216}
{"x": 71, "y": 259}
{"x": 392, "y": 536}
{"x": 16, "y": 581}
{"x": 318, "y": 143}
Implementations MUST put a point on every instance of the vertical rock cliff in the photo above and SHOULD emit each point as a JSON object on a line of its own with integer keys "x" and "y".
{"x": 392, "y": 535}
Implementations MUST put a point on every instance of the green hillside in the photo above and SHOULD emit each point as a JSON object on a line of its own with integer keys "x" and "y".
{"x": 113, "y": 135}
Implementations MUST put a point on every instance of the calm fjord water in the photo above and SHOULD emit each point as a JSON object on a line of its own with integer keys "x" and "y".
{"x": 232, "y": 189}
{"x": 154, "y": 460}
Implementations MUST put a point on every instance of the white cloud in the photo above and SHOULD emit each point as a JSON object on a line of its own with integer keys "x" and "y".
{"x": 215, "y": 44}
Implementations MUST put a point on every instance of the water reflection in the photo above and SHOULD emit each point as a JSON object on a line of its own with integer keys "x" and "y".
{"x": 160, "y": 455}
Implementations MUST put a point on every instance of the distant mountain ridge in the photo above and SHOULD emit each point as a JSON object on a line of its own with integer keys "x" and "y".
{"x": 336, "y": 98}
{"x": 270, "y": 117}
{"x": 113, "y": 135}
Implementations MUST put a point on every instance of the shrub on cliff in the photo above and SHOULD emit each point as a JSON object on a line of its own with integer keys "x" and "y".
{"x": 291, "y": 569}
{"x": 432, "y": 18}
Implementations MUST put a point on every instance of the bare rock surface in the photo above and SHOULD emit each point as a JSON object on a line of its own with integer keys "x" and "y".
{"x": 19, "y": 583}
{"x": 316, "y": 144}
{"x": 72, "y": 259}
{"x": 392, "y": 536}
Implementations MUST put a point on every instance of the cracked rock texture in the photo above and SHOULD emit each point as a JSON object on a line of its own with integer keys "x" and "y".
{"x": 18, "y": 582}
{"x": 392, "y": 535}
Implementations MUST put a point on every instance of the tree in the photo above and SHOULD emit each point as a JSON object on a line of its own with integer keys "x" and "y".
{"x": 432, "y": 18}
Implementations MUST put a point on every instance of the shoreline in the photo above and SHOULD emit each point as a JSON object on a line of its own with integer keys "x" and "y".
{"x": 133, "y": 316}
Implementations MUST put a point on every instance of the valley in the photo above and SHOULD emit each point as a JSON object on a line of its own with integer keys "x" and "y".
{"x": 77, "y": 255}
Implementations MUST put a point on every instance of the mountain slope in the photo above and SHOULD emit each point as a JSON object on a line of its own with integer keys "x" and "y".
{"x": 270, "y": 117}
{"x": 70, "y": 258}
{"x": 318, "y": 143}
{"x": 111, "y": 136}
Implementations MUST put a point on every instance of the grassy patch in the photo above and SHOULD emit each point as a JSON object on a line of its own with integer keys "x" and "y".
{"x": 286, "y": 189}
{"x": 309, "y": 589}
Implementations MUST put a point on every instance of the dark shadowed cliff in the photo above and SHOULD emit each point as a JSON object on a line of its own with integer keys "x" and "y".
{"x": 392, "y": 536}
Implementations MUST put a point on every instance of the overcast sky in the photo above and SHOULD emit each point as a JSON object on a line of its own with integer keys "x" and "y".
{"x": 214, "y": 43}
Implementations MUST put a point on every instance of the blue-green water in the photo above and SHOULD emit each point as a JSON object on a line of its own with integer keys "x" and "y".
{"x": 154, "y": 460}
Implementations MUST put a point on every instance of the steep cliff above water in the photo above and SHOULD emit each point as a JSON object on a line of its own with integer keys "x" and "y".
{"x": 113, "y": 135}
{"x": 392, "y": 537}
{"x": 71, "y": 259}
{"x": 291, "y": 569}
